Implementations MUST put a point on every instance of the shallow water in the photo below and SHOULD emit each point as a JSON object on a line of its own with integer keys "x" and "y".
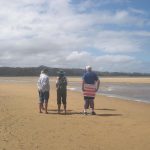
{"x": 136, "y": 92}
{"x": 128, "y": 91}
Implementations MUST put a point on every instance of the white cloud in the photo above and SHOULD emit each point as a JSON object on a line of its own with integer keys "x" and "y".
{"x": 118, "y": 41}
{"x": 55, "y": 33}
{"x": 118, "y": 63}
{"x": 75, "y": 55}
{"x": 88, "y": 4}
{"x": 137, "y": 11}
{"x": 117, "y": 45}
{"x": 114, "y": 59}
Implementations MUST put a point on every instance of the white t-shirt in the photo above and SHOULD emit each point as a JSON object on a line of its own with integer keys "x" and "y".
{"x": 43, "y": 83}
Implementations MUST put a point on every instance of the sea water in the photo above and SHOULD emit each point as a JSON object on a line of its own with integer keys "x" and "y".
{"x": 128, "y": 91}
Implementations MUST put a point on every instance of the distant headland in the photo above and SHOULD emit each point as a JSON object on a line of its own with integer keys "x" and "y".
{"x": 35, "y": 71}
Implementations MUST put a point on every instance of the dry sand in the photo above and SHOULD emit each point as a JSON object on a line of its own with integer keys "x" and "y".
{"x": 118, "y": 125}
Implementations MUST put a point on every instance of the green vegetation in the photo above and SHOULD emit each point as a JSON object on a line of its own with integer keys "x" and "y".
{"x": 35, "y": 71}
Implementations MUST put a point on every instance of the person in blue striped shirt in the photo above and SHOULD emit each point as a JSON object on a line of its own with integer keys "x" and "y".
{"x": 90, "y": 86}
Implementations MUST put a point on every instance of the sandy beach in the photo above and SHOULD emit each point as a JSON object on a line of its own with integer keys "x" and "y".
{"x": 118, "y": 125}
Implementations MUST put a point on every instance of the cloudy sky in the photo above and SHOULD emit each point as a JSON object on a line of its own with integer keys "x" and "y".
{"x": 109, "y": 35}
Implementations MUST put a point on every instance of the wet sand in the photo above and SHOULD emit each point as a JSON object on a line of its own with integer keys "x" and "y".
{"x": 118, "y": 79}
{"x": 118, "y": 125}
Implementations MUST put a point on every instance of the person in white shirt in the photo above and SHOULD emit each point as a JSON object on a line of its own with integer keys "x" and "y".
{"x": 43, "y": 89}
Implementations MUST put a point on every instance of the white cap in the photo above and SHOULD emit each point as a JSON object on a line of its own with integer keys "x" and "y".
{"x": 88, "y": 67}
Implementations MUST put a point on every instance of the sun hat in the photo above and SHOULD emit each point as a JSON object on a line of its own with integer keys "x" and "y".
{"x": 61, "y": 73}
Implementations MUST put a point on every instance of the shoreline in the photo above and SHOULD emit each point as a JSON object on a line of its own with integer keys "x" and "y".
{"x": 114, "y": 80}
{"x": 115, "y": 96}
{"x": 126, "y": 99}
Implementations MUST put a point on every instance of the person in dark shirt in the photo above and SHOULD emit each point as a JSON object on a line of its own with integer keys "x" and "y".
{"x": 61, "y": 85}
{"x": 90, "y": 86}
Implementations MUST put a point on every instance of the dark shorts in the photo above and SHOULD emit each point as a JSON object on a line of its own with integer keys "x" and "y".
{"x": 88, "y": 101}
{"x": 61, "y": 97}
{"x": 43, "y": 96}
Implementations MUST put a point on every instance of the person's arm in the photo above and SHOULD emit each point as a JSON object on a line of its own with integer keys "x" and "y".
{"x": 65, "y": 81}
{"x": 98, "y": 84}
{"x": 83, "y": 81}
{"x": 48, "y": 83}
{"x": 38, "y": 85}
{"x": 57, "y": 82}
{"x": 83, "y": 85}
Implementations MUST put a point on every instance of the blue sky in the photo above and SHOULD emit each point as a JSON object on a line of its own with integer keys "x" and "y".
{"x": 110, "y": 35}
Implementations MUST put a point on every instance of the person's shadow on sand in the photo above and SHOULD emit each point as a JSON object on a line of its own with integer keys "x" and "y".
{"x": 71, "y": 112}
{"x": 107, "y": 114}
{"x": 55, "y": 112}
{"x": 108, "y": 109}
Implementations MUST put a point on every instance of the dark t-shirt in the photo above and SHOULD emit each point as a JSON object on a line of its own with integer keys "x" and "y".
{"x": 61, "y": 84}
{"x": 90, "y": 77}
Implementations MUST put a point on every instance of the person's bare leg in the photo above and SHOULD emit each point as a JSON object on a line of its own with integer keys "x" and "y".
{"x": 46, "y": 104}
{"x": 65, "y": 108}
{"x": 59, "y": 105}
{"x": 40, "y": 108}
{"x": 86, "y": 106}
{"x": 92, "y": 106}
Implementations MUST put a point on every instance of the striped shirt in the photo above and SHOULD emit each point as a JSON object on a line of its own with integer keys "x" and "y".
{"x": 89, "y": 90}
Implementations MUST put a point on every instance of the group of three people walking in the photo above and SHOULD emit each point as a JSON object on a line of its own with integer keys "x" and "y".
{"x": 90, "y": 85}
